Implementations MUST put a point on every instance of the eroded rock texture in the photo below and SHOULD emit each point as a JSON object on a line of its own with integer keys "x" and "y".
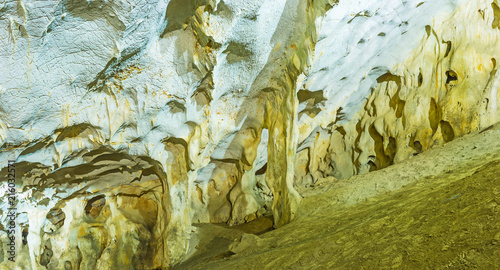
{"x": 129, "y": 121}
{"x": 444, "y": 89}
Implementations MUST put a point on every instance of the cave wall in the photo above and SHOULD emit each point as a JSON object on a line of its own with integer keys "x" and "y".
{"x": 130, "y": 121}
{"x": 445, "y": 88}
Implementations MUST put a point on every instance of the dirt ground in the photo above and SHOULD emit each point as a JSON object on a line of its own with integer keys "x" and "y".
{"x": 437, "y": 210}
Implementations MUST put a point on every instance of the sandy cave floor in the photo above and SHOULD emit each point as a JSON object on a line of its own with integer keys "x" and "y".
{"x": 436, "y": 210}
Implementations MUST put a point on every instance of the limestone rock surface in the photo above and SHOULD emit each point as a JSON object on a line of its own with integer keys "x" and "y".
{"x": 130, "y": 121}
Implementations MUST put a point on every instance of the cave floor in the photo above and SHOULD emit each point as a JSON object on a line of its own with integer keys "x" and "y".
{"x": 436, "y": 210}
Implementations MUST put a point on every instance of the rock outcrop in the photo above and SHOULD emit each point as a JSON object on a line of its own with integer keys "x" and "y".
{"x": 129, "y": 121}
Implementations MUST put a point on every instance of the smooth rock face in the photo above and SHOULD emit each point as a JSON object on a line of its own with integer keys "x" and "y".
{"x": 129, "y": 121}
